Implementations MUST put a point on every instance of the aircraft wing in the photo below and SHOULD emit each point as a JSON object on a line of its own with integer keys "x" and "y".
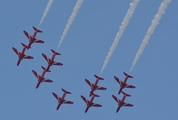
{"x": 36, "y": 74}
{"x": 115, "y": 98}
{"x": 45, "y": 57}
{"x": 28, "y": 35}
{"x": 127, "y": 104}
{"x": 96, "y": 105}
{"x": 100, "y": 88}
{"x": 38, "y": 41}
{"x": 16, "y": 51}
{"x": 56, "y": 96}
{"x": 89, "y": 83}
{"x": 117, "y": 79}
{"x": 57, "y": 63}
{"x": 68, "y": 102}
{"x": 47, "y": 80}
{"x": 86, "y": 101}
{"x": 129, "y": 86}
{"x": 27, "y": 57}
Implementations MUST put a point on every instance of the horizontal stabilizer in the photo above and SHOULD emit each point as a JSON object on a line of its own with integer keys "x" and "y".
{"x": 127, "y": 75}
{"x": 99, "y": 78}
{"x": 37, "y": 30}
{"x": 55, "y": 52}
{"x": 45, "y": 69}
{"x": 125, "y": 94}
{"x": 95, "y": 95}
{"x": 25, "y": 46}
{"x": 65, "y": 91}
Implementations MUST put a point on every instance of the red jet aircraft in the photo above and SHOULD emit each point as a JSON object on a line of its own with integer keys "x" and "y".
{"x": 32, "y": 39}
{"x": 22, "y": 54}
{"x": 94, "y": 86}
{"x": 61, "y": 100}
{"x": 123, "y": 84}
{"x": 51, "y": 61}
{"x": 121, "y": 102}
{"x": 90, "y": 102}
{"x": 41, "y": 78}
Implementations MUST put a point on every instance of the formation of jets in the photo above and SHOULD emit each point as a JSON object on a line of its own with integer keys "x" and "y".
{"x": 94, "y": 86}
{"x": 123, "y": 85}
{"x": 32, "y": 39}
{"x": 51, "y": 62}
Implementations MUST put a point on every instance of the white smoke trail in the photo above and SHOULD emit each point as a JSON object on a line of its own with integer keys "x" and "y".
{"x": 150, "y": 31}
{"x": 71, "y": 19}
{"x": 120, "y": 32}
{"x": 46, "y": 11}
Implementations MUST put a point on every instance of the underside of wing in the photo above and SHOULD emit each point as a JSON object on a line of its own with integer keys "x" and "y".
{"x": 28, "y": 57}
{"x": 68, "y": 102}
{"x": 115, "y": 98}
{"x": 45, "y": 57}
{"x": 55, "y": 95}
{"x": 118, "y": 80}
{"x": 35, "y": 73}
{"x": 100, "y": 88}
{"x": 96, "y": 105}
{"x": 86, "y": 101}
{"x": 38, "y": 41}
{"x": 127, "y": 104}
{"x": 88, "y": 82}
{"x": 16, "y": 51}
{"x": 57, "y": 63}
{"x": 26, "y": 33}
{"x": 129, "y": 86}
{"x": 47, "y": 80}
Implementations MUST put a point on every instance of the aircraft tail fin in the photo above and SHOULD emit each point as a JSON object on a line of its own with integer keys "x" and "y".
{"x": 95, "y": 95}
{"x": 45, "y": 69}
{"x": 99, "y": 78}
{"x": 37, "y": 29}
{"x": 127, "y": 75}
{"x": 125, "y": 94}
{"x": 65, "y": 91}
{"x": 55, "y": 52}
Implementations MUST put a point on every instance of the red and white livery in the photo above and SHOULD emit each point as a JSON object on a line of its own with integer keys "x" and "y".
{"x": 61, "y": 100}
{"x": 51, "y": 60}
{"x": 95, "y": 86}
{"x": 22, "y": 55}
{"x": 90, "y": 102}
{"x": 121, "y": 102}
{"x": 123, "y": 84}
{"x": 33, "y": 39}
{"x": 41, "y": 78}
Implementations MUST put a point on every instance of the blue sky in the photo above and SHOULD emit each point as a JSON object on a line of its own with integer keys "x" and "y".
{"x": 84, "y": 50}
